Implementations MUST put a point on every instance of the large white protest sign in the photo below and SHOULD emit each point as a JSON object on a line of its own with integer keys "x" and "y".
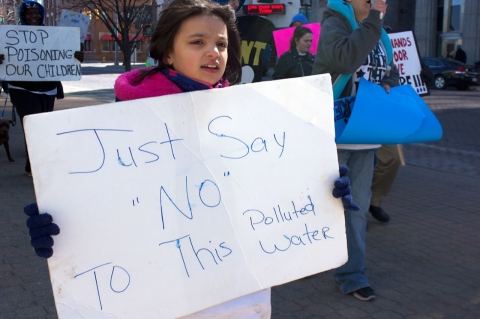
{"x": 405, "y": 57}
{"x": 74, "y": 19}
{"x": 38, "y": 53}
{"x": 174, "y": 204}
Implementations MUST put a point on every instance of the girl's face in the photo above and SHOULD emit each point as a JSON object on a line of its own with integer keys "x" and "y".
{"x": 32, "y": 17}
{"x": 304, "y": 43}
{"x": 200, "y": 49}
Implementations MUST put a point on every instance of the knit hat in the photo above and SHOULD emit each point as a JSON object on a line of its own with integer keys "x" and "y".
{"x": 299, "y": 18}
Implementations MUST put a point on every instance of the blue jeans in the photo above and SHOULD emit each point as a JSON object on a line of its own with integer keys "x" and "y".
{"x": 351, "y": 276}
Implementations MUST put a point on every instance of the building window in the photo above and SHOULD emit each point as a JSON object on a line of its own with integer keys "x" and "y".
{"x": 440, "y": 16}
{"x": 455, "y": 10}
{"x": 139, "y": 45}
{"x": 105, "y": 45}
{"x": 88, "y": 45}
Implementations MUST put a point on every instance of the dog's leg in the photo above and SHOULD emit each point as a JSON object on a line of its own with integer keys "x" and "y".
{"x": 7, "y": 148}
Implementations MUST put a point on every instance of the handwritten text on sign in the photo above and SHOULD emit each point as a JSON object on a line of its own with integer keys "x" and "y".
{"x": 175, "y": 204}
{"x": 405, "y": 57}
{"x": 37, "y": 53}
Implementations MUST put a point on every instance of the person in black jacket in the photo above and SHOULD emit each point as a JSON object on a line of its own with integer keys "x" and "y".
{"x": 298, "y": 61}
{"x": 31, "y": 97}
{"x": 460, "y": 55}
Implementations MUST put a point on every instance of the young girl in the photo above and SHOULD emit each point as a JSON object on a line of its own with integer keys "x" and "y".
{"x": 197, "y": 47}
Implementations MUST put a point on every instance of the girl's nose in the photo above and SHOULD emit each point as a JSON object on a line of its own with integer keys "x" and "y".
{"x": 213, "y": 50}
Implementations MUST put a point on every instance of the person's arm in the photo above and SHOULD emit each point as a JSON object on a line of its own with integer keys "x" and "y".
{"x": 281, "y": 68}
{"x": 79, "y": 55}
{"x": 345, "y": 51}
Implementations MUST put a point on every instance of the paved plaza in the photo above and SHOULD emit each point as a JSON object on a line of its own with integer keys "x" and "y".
{"x": 425, "y": 263}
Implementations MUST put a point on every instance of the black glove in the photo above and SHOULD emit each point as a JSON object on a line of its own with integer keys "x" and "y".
{"x": 41, "y": 228}
{"x": 342, "y": 189}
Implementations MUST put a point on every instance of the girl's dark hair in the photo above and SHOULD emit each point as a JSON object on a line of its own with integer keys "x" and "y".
{"x": 299, "y": 32}
{"x": 171, "y": 18}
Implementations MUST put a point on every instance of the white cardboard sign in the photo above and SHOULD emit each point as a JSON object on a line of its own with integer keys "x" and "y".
{"x": 174, "y": 204}
{"x": 75, "y": 19}
{"x": 38, "y": 53}
{"x": 405, "y": 57}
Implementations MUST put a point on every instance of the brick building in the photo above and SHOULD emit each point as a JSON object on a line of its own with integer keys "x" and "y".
{"x": 439, "y": 25}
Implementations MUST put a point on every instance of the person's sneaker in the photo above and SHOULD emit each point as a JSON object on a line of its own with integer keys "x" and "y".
{"x": 365, "y": 294}
{"x": 379, "y": 214}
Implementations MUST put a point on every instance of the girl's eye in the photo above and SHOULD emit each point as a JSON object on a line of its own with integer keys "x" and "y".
{"x": 197, "y": 42}
{"x": 222, "y": 44}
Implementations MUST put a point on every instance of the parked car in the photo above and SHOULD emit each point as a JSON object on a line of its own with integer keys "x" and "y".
{"x": 452, "y": 72}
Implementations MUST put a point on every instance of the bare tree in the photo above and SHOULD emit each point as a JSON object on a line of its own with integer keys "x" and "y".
{"x": 120, "y": 17}
{"x": 8, "y": 11}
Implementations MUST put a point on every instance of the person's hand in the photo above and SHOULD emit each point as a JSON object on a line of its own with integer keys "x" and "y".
{"x": 78, "y": 55}
{"x": 41, "y": 228}
{"x": 386, "y": 87}
{"x": 342, "y": 189}
{"x": 379, "y": 5}
{"x": 2, "y": 57}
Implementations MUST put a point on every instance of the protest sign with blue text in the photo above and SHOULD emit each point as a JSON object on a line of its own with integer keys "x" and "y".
{"x": 174, "y": 204}
{"x": 75, "y": 19}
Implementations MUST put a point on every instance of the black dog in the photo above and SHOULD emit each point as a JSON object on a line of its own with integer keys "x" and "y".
{"x": 4, "y": 136}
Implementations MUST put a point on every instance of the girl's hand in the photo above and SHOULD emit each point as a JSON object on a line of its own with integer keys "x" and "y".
{"x": 386, "y": 87}
{"x": 40, "y": 228}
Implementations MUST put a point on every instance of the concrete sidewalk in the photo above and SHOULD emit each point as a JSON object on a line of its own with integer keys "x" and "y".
{"x": 424, "y": 264}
